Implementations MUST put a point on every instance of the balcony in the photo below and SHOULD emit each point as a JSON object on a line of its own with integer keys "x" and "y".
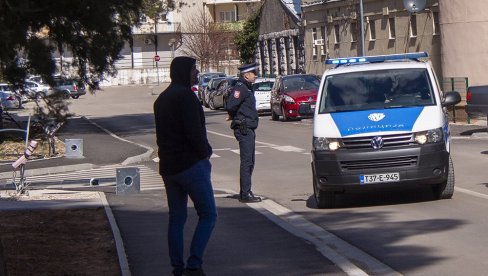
{"x": 228, "y": 26}
{"x": 162, "y": 27}
{"x": 220, "y": 2}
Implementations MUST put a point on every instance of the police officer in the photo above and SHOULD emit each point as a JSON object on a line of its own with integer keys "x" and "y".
{"x": 241, "y": 106}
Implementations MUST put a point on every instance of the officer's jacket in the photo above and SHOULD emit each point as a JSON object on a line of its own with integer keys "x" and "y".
{"x": 241, "y": 103}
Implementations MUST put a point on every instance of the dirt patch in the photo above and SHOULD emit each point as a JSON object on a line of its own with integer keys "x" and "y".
{"x": 58, "y": 242}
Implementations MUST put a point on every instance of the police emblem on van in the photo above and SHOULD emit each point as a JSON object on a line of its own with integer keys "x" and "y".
{"x": 375, "y": 117}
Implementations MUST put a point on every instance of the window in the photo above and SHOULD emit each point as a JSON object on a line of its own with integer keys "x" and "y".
{"x": 314, "y": 47}
{"x": 372, "y": 30}
{"x": 337, "y": 34}
{"x": 437, "y": 26}
{"x": 227, "y": 16}
{"x": 354, "y": 32}
{"x": 391, "y": 27}
{"x": 322, "y": 34}
{"x": 413, "y": 25}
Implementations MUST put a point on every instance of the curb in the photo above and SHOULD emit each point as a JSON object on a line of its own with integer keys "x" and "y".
{"x": 130, "y": 160}
{"x": 119, "y": 243}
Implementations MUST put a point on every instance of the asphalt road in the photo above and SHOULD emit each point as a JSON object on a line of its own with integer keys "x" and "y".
{"x": 407, "y": 231}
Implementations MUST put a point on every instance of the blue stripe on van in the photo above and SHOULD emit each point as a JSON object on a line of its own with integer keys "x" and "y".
{"x": 358, "y": 122}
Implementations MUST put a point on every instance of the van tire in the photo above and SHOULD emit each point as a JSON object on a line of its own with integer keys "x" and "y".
{"x": 322, "y": 198}
{"x": 445, "y": 190}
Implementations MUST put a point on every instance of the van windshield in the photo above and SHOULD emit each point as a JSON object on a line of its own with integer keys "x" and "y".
{"x": 378, "y": 89}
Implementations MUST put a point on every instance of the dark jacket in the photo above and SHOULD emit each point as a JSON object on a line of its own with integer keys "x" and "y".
{"x": 180, "y": 122}
{"x": 241, "y": 104}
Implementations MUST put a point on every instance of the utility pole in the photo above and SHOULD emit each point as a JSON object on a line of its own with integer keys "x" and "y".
{"x": 361, "y": 12}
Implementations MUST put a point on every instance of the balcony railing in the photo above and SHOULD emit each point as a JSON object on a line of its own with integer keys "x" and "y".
{"x": 229, "y": 26}
{"x": 162, "y": 27}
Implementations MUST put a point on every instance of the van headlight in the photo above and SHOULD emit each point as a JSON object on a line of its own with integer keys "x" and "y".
{"x": 322, "y": 143}
{"x": 429, "y": 136}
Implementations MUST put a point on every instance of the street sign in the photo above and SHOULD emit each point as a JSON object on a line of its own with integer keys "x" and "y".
{"x": 156, "y": 58}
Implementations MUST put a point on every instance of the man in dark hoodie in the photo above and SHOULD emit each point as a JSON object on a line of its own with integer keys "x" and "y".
{"x": 184, "y": 164}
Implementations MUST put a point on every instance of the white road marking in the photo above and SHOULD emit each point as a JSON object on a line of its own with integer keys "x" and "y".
{"x": 469, "y": 192}
{"x": 288, "y": 149}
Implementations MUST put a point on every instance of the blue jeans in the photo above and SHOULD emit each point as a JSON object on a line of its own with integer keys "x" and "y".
{"x": 194, "y": 182}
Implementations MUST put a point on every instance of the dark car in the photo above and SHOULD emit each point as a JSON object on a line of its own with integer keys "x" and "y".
{"x": 69, "y": 87}
{"x": 477, "y": 101}
{"x": 218, "y": 98}
{"x": 293, "y": 93}
{"x": 203, "y": 79}
{"x": 211, "y": 87}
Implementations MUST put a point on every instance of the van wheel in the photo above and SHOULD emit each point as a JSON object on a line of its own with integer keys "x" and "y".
{"x": 274, "y": 116}
{"x": 322, "y": 198}
{"x": 445, "y": 190}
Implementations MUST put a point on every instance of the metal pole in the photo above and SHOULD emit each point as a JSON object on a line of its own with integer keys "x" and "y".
{"x": 156, "y": 45}
{"x": 363, "y": 45}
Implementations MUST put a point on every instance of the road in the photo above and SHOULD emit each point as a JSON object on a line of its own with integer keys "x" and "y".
{"x": 407, "y": 231}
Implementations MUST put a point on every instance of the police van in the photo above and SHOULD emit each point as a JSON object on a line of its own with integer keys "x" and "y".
{"x": 381, "y": 122}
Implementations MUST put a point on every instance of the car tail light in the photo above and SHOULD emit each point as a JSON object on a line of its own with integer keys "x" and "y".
{"x": 468, "y": 96}
{"x": 10, "y": 98}
{"x": 75, "y": 88}
{"x": 194, "y": 89}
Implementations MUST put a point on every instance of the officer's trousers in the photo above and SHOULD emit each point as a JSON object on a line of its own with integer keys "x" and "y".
{"x": 247, "y": 145}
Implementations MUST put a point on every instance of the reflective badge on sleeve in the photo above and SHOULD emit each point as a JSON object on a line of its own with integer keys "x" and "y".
{"x": 237, "y": 94}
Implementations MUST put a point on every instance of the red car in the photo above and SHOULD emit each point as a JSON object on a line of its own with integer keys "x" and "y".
{"x": 293, "y": 94}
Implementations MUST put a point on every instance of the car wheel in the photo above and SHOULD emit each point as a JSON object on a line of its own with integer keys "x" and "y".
{"x": 445, "y": 190}
{"x": 322, "y": 198}
{"x": 75, "y": 97}
{"x": 283, "y": 111}
{"x": 274, "y": 116}
{"x": 211, "y": 103}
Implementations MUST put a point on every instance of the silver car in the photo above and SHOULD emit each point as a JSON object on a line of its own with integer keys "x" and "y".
{"x": 9, "y": 98}
{"x": 262, "y": 92}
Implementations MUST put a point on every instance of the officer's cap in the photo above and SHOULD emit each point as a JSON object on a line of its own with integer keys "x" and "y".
{"x": 247, "y": 67}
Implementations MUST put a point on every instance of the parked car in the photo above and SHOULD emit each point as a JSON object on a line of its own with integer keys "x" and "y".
{"x": 211, "y": 87}
{"x": 35, "y": 89}
{"x": 69, "y": 87}
{"x": 218, "y": 98}
{"x": 290, "y": 92}
{"x": 477, "y": 101}
{"x": 203, "y": 79}
{"x": 262, "y": 92}
{"x": 9, "y": 98}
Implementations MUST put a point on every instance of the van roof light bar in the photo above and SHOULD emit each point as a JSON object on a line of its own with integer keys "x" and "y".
{"x": 382, "y": 58}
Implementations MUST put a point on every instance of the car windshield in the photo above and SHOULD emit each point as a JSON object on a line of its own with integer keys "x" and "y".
{"x": 376, "y": 90}
{"x": 300, "y": 83}
{"x": 263, "y": 86}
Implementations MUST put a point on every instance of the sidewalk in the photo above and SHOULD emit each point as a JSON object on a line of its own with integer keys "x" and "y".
{"x": 244, "y": 241}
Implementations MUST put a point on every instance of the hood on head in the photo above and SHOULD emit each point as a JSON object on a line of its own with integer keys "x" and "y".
{"x": 180, "y": 70}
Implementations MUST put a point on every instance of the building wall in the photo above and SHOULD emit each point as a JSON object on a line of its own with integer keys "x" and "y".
{"x": 279, "y": 50}
{"x": 464, "y": 25}
{"x": 338, "y": 20}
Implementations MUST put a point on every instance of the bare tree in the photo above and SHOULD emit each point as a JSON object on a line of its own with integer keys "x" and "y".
{"x": 206, "y": 41}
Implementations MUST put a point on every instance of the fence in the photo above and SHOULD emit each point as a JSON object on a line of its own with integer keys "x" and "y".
{"x": 459, "y": 84}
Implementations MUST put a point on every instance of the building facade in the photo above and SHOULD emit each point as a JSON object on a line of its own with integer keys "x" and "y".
{"x": 279, "y": 50}
{"x": 332, "y": 30}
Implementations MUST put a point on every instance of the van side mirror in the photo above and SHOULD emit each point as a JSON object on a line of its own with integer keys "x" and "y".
{"x": 451, "y": 98}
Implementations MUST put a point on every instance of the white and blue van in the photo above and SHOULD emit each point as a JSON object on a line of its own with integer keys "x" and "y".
{"x": 381, "y": 122}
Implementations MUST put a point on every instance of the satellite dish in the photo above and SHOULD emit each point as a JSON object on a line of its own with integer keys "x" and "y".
{"x": 414, "y": 5}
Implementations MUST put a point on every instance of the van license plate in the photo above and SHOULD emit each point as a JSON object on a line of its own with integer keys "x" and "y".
{"x": 379, "y": 178}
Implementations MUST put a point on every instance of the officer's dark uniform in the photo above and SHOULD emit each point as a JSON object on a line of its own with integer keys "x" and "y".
{"x": 241, "y": 105}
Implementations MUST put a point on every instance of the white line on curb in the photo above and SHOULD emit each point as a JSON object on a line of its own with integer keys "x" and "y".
{"x": 130, "y": 160}
{"x": 119, "y": 244}
{"x": 330, "y": 246}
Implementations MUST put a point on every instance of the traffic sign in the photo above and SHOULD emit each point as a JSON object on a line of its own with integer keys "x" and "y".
{"x": 156, "y": 58}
